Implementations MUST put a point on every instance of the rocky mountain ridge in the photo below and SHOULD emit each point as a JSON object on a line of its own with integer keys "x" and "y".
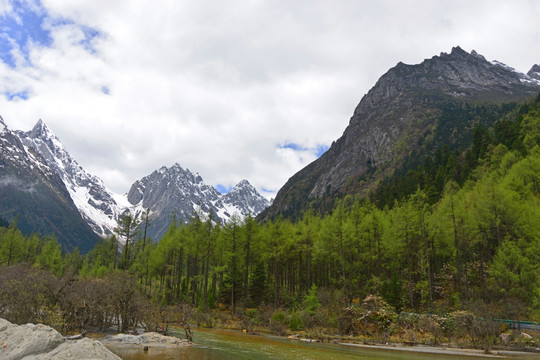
{"x": 32, "y": 193}
{"x": 402, "y": 107}
{"x": 534, "y": 73}
{"x": 181, "y": 193}
{"x": 95, "y": 202}
{"x": 165, "y": 192}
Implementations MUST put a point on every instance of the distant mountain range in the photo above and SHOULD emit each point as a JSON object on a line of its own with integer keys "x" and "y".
{"x": 178, "y": 192}
{"x": 411, "y": 110}
{"x": 50, "y": 193}
{"x": 408, "y": 110}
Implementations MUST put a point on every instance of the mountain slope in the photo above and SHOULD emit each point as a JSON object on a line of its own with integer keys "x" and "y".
{"x": 165, "y": 192}
{"x": 95, "y": 202}
{"x": 178, "y": 192}
{"x": 244, "y": 199}
{"x": 406, "y": 105}
{"x": 32, "y": 193}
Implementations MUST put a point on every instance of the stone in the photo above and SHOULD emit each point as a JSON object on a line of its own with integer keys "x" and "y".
{"x": 41, "y": 342}
{"x": 150, "y": 339}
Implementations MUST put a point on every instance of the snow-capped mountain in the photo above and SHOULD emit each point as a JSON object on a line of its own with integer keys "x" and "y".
{"x": 165, "y": 192}
{"x": 243, "y": 199}
{"x": 32, "y": 193}
{"x": 534, "y": 73}
{"x": 178, "y": 192}
{"x": 95, "y": 202}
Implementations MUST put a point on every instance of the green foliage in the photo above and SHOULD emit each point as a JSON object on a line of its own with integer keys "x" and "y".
{"x": 50, "y": 257}
{"x": 257, "y": 289}
{"x": 460, "y": 230}
{"x": 295, "y": 322}
{"x": 12, "y": 246}
{"x": 311, "y": 302}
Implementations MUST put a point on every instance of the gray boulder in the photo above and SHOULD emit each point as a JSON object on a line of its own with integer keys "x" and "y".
{"x": 41, "y": 342}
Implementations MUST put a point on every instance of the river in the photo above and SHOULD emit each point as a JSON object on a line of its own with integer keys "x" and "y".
{"x": 233, "y": 344}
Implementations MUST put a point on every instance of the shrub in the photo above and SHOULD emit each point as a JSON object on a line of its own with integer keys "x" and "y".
{"x": 311, "y": 302}
{"x": 278, "y": 322}
{"x": 27, "y": 294}
{"x": 295, "y": 322}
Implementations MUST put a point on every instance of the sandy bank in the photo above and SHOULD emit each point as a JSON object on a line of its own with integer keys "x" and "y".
{"x": 449, "y": 351}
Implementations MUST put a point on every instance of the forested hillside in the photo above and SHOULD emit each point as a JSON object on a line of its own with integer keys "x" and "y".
{"x": 410, "y": 112}
{"x": 461, "y": 232}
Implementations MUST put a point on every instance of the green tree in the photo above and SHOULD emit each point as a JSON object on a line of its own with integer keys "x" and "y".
{"x": 11, "y": 245}
{"x": 127, "y": 228}
{"x": 50, "y": 257}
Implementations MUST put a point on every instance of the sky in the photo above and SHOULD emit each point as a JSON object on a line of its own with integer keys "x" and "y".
{"x": 253, "y": 89}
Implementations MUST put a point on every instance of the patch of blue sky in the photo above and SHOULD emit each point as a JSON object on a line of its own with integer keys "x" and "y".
{"x": 321, "y": 149}
{"x": 223, "y": 189}
{"x": 20, "y": 26}
{"x": 318, "y": 151}
{"x": 293, "y": 146}
{"x": 105, "y": 90}
{"x": 89, "y": 33}
{"x": 31, "y": 23}
{"x": 17, "y": 95}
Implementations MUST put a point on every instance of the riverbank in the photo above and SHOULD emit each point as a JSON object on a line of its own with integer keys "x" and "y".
{"x": 283, "y": 348}
{"x": 448, "y": 350}
{"x": 405, "y": 337}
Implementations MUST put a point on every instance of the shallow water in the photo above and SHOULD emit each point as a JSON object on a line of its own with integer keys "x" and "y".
{"x": 233, "y": 344}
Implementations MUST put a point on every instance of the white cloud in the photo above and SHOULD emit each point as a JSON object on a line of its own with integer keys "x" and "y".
{"x": 219, "y": 86}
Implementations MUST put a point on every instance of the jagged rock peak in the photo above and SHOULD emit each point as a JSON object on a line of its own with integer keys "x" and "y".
{"x": 458, "y": 51}
{"x": 458, "y": 74}
{"x": 177, "y": 170}
{"x": 475, "y": 54}
{"x": 94, "y": 201}
{"x": 535, "y": 72}
{"x": 244, "y": 184}
{"x": 3, "y": 126}
{"x": 40, "y": 130}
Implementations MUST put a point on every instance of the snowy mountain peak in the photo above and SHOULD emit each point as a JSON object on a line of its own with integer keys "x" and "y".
{"x": 93, "y": 200}
{"x": 245, "y": 199}
{"x": 43, "y": 133}
{"x": 181, "y": 193}
{"x": 166, "y": 192}
{"x": 534, "y": 73}
{"x": 40, "y": 129}
{"x": 31, "y": 190}
{"x": 243, "y": 184}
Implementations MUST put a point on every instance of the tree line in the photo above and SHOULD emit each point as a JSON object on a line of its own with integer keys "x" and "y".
{"x": 476, "y": 241}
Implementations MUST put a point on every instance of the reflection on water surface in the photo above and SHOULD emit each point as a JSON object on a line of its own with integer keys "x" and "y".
{"x": 233, "y": 344}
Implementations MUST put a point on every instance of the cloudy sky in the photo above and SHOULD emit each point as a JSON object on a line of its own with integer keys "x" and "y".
{"x": 253, "y": 89}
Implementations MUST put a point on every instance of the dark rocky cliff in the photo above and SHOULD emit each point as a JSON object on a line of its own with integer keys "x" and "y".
{"x": 393, "y": 116}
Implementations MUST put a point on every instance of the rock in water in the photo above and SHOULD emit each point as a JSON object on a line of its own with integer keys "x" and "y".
{"x": 150, "y": 339}
{"x": 41, "y": 342}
